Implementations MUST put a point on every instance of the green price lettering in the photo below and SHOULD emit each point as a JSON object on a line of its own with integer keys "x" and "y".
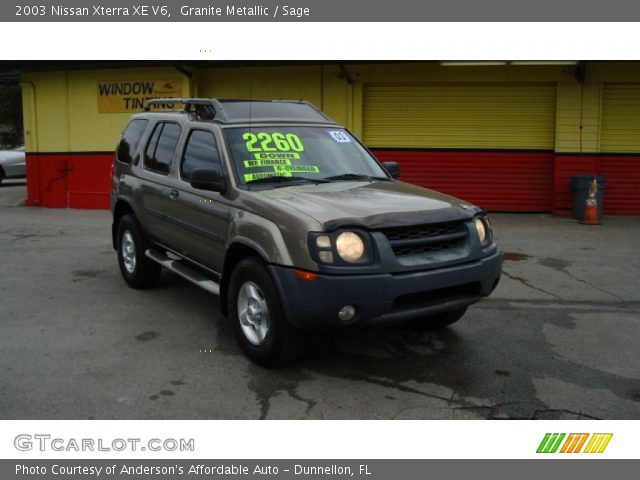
{"x": 272, "y": 142}
{"x": 294, "y": 141}
{"x": 250, "y": 139}
{"x": 248, "y": 177}
{"x": 269, "y": 162}
{"x": 288, "y": 169}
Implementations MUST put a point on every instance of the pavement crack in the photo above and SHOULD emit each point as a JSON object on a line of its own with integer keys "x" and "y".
{"x": 538, "y": 412}
{"x": 269, "y": 384}
{"x": 526, "y": 283}
{"x": 561, "y": 265}
{"x": 497, "y": 410}
{"x": 407, "y": 409}
{"x": 503, "y": 411}
{"x": 600, "y": 289}
{"x": 310, "y": 403}
{"x": 403, "y": 388}
{"x": 592, "y": 305}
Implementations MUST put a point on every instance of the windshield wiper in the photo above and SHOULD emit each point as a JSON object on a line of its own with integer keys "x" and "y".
{"x": 354, "y": 176}
{"x": 283, "y": 179}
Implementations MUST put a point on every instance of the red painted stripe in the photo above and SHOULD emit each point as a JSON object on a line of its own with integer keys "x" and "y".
{"x": 622, "y": 187}
{"x": 73, "y": 180}
{"x": 622, "y": 182}
{"x": 498, "y": 181}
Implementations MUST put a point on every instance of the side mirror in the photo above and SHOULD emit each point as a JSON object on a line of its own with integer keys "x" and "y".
{"x": 392, "y": 168}
{"x": 210, "y": 179}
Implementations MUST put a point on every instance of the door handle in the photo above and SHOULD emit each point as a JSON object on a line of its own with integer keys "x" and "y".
{"x": 173, "y": 194}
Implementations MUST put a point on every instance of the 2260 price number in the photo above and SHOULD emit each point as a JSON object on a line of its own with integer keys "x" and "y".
{"x": 272, "y": 142}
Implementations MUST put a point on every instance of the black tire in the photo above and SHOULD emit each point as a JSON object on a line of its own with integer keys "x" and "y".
{"x": 1, "y": 174}
{"x": 282, "y": 342}
{"x": 143, "y": 272}
{"x": 437, "y": 322}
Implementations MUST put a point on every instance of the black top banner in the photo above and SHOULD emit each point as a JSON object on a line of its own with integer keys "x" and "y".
{"x": 320, "y": 11}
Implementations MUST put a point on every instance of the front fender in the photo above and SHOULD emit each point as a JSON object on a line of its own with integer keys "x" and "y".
{"x": 267, "y": 238}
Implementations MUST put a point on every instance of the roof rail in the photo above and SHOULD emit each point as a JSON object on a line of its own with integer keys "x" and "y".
{"x": 230, "y": 111}
{"x": 186, "y": 101}
{"x": 208, "y": 112}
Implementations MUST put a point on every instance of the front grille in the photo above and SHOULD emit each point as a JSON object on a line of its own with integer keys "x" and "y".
{"x": 418, "y": 239}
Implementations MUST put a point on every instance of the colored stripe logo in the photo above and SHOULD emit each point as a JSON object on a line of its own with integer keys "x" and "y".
{"x": 574, "y": 443}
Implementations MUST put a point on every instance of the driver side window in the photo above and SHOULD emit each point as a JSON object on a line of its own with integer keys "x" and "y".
{"x": 201, "y": 151}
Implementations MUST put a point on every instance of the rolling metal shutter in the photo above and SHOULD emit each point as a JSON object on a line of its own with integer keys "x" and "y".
{"x": 620, "y": 136}
{"x": 620, "y": 131}
{"x": 491, "y": 144}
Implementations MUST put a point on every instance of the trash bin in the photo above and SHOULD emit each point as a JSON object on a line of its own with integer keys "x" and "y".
{"x": 579, "y": 185}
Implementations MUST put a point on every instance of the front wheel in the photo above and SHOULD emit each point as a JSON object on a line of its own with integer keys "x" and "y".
{"x": 137, "y": 270}
{"x": 262, "y": 331}
{"x": 436, "y": 322}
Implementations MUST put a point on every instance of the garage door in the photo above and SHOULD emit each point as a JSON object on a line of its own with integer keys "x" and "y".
{"x": 491, "y": 144}
{"x": 620, "y": 147}
{"x": 620, "y": 132}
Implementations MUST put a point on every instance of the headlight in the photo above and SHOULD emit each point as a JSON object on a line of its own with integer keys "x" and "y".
{"x": 484, "y": 231}
{"x": 342, "y": 248}
{"x": 350, "y": 246}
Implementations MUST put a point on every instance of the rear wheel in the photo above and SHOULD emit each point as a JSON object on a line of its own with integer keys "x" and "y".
{"x": 262, "y": 331}
{"x": 439, "y": 321}
{"x": 137, "y": 270}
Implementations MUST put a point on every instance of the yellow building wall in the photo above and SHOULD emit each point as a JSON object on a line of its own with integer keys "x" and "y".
{"x": 61, "y": 108}
{"x": 261, "y": 83}
{"x": 578, "y": 116}
{"x": 45, "y": 112}
{"x": 572, "y": 100}
{"x": 322, "y": 85}
{"x": 61, "y": 114}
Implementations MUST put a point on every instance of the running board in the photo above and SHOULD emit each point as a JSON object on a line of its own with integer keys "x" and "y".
{"x": 184, "y": 271}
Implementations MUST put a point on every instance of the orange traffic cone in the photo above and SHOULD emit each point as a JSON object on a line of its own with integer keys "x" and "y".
{"x": 591, "y": 205}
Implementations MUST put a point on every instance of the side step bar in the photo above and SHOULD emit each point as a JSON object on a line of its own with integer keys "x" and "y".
{"x": 184, "y": 271}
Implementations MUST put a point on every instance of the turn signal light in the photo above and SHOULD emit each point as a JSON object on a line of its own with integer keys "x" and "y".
{"x": 302, "y": 275}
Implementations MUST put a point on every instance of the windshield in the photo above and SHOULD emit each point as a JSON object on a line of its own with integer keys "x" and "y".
{"x": 272, "y": 155}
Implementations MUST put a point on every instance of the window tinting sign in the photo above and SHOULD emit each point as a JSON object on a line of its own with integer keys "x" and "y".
{"x": 128, "y": 96}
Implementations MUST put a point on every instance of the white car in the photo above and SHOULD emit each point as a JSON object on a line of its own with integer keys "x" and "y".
{"x": 12, "y": 163}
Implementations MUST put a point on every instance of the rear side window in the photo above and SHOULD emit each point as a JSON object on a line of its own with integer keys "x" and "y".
{"x": 201, "y": 152}
{"x": 130, "y": 140}
{"x": 162, "y": 147}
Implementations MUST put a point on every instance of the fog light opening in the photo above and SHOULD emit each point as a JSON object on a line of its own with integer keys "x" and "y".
{"x": 346, "y": 313}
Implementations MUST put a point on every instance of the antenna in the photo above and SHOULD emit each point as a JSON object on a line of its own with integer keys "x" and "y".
{"x": 250, "y": 96}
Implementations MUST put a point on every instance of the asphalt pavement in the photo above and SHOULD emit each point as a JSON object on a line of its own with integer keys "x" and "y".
{"x": 557, "y": 339}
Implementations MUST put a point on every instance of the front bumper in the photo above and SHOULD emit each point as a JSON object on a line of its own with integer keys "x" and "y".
{"x": 384, "y": 298}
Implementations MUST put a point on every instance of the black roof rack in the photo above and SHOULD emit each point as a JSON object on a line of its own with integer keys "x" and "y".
{"x": 243, "y": 111}
{"x": 186, "y": 101}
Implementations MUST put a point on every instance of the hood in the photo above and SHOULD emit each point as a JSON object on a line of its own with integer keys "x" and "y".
{"x": 371, "y": 204}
